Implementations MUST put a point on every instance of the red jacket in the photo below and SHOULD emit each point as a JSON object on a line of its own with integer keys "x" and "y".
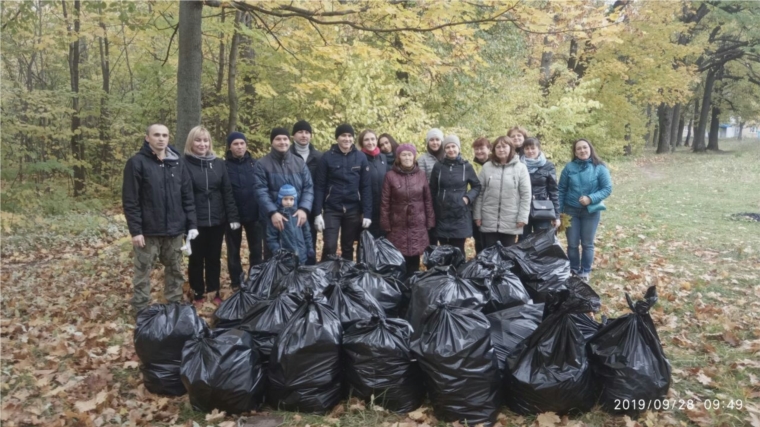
{"x": 406, "y": 210}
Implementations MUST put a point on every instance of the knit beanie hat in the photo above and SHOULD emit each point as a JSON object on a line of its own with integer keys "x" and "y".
{"x": 406, "y": 147}
{"x": 287, "y": 190}
{"x": 435, "y": 132}
{"x": 344, "y": 128}
{"x": 277, "y": 132}
{"x": 233, "y": 136}
{"x": 302, "y": 125}
{"x": 451, "y": 139}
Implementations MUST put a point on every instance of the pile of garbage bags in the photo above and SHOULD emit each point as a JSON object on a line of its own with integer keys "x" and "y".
{"x": 509, "y": 327}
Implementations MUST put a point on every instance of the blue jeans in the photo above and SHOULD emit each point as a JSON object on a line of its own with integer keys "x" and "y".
{"x": 581, "y": 232}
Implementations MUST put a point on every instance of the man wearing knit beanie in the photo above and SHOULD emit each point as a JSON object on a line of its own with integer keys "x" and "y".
{"x": 240, "y": 168}
{"x": 276, "y": 169}
{"x": 342, "y": 194}
{"x": 302, "y": 134}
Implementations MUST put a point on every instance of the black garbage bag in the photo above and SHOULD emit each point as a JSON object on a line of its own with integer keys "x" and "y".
{"x": 444, "y": 255}
{"x": 509, "y": 327}
{"x": 390, "y": 292}
{"x": 381, "y": 256}
{"x": 271, "y": 272}
{"x": 627, "y": 358}
{"x": 379, "y": 363}
{"x": 497, "y": 255}
{"x": 352, "y": 303}
{"x": 584, "y": 296}
{"x": 460, "y": 369}
{"x": 540, "y": 263}
{"x": 477, "y": 270}
{"x": 505, "y": 290}
{"x": 433, "y": 289}
{"x": 305, "y": 367}
{"x": 549, "y": 371}
{"x": 160, "y": 334}
{"x": 302, "y": 278}
{"x": 267, "y": 318}
{"x": 231, "y": 311}
{"x": 223, "y": 372}
{"x": 412, "y": 280}
{"x": 336, "y": 267}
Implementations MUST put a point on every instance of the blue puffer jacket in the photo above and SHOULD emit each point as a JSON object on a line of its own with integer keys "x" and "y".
{"x": 241, "y": 176}
{"x": 582, "y": 178}
{"x": 292, "y": 238}
{"x": 275, "y": 170}
{"x": 343, "y": 183}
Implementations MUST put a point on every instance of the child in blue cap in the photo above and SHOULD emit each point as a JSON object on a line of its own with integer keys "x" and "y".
{"x": 291, "y": 238}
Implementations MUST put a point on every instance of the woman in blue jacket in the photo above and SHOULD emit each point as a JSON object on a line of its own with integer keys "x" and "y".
{"x": 584, "y": 184}
{"x": 342, "y": 194}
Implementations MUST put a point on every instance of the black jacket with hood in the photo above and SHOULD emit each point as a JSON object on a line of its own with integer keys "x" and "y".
{"x": 448, "y": 185}
{"x": 214, "y": 202}
{"x": 157, "y": 195}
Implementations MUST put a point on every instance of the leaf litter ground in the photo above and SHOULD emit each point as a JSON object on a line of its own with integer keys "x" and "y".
{"x": 66, "y": 334}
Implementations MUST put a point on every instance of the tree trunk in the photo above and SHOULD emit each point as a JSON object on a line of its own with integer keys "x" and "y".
{"x": 105, "y": 115}
{"x": 676, "y": 114}
{"x": 248, "y": 57}
{"x": 688, "y": 131}
{"x": 546, "y": 67}
{"x": 665, "y": 116}
{"x": 189, "y": 69}
{"x": 650, "y": 128}
{"x": 681, "y": 125}
{"x": 712, "y": 143}
{"x": 741, "y": 130}
{"x": 699, "y": 135}
{"x": 75, "y": 143}
{"x": 220, "y": 70}
{"x": 232, "y": 75}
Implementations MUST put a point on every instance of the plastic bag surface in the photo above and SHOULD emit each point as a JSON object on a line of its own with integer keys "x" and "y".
{"x": 304, "y": 366}
{"x": 267, "y": 318}
{"x": 378, "y": 361}
{"x": 628, "y": 360}
{"x": 443, "y": 255}
{"x": 511, "y": 326}
{"x": 223, "y": 372}
{"x": 160, "y": 334}
{"x": 381, "y": 256}
{"x": 461, "y": 373}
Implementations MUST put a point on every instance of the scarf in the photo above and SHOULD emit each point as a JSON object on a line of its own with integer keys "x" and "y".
{"x": 302, "y": 150}
{"x": 372, "y": 153}
{"x": 479, "y": 162}
{"x": 534, "y": 164}
{"x": 208, "y": 157}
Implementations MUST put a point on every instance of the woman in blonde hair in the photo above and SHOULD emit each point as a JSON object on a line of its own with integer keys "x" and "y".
{"x": 215, "y": 208}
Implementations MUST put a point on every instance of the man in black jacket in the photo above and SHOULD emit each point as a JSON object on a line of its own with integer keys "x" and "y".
{"x": 303, "y": 147}
{"x": 240, "y": 167}
{"x": 157, "y": 196}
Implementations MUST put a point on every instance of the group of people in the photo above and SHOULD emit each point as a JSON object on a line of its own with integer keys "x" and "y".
{"x": 371, "y": 182}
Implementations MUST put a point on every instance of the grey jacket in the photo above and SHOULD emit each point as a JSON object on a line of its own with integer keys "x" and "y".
{"x": 504, "y": 198}
{"x": 426, "y": 161}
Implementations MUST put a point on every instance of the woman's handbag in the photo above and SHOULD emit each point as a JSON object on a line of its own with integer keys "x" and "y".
{"x": 596, "y": 207}
{"x": 542, "y": 210}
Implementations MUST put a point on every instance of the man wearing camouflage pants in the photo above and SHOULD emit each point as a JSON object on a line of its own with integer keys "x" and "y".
{"x": 157, "y": 196}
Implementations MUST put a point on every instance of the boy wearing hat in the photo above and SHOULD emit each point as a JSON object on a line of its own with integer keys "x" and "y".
{"x": 292, "y": 238}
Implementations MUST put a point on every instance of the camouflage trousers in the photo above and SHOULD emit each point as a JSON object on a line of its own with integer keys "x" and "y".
{"x": 168, "y": 251}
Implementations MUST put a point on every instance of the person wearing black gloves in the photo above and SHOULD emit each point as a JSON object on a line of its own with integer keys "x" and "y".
{"x": 342, "y": 194}
{"x": 215, "y": 208}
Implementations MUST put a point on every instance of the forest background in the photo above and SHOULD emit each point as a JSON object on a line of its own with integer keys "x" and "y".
{"x": 81, "y": 80}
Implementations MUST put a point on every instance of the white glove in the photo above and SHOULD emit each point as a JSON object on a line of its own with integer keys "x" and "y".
{"x": 234, "y": 225}
{"x": 192, "y": 234}
{"x": 366, "y": 222}
{"x": 186, "y": 249}
{"x": 319, "y": 223}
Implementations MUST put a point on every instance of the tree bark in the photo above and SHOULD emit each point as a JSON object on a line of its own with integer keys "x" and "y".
{"x": 220, "y": 70}
{"x": 75, "y": 143}
{"x": 546, "y": 67}
{"x": 104, "y": 123}
{"x": 248, "y": 60}
{"x": 675, "y": 125}
{"x": 665, "y": 116}
{"x": 232, "y": 75}
{"x": 688, "y": 131}
{"x": 189, "y": 70}
{"x": 650, "y": 128}
{"x": 741, "y": 130}
{"x": 712, "y": 143}
{"x": 699, "y": 135}
{"x": 681, "y": 125}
